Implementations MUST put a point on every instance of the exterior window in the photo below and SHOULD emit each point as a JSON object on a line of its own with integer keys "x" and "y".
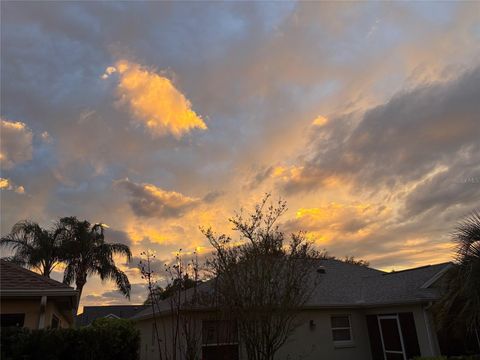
{"x": 341, "y": 329}
{"x": 219, "y": 340}
{"x": 8, "y": 320}
{"x": 55, "y": 322}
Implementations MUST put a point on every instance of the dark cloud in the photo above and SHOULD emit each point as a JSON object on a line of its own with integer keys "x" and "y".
{"x": 401, "y": 141}
{"x": 117, "y": 236}
{"x": 147, "y": 200}
{"x": 213, "y": 196}
{"x": 138, "y": 295}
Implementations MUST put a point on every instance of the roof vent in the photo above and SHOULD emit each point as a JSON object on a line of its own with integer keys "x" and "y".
{"x": 321, "y": 270}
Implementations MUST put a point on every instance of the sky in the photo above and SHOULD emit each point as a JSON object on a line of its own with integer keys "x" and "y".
{"x": 158, "y": 118}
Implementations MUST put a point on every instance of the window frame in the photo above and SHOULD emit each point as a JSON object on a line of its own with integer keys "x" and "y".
{"x": 342, "y": 343}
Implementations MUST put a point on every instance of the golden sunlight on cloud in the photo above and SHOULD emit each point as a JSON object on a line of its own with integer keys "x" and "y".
{"x": 154, "y": 101}
{"x": 148, "y": 200}
{"x": 320, "y": 121}
{"x": 6, "y": 184}
{"x": 15, "y": 144}
{"x": 339, "y": 221}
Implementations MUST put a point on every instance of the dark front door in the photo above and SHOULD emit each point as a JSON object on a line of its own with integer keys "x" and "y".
{"x": 393, "y": 336}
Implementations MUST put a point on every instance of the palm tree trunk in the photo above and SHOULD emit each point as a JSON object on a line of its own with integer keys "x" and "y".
{"x": 80, "y": 283}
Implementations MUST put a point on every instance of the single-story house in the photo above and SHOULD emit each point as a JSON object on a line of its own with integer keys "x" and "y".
{"x": 30, "y": 300}
{"x": 91, "y": 313}
{"x": 355, "y": 312}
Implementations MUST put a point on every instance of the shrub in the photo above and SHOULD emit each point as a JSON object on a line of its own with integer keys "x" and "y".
{"x": 105, "y": 339}
{"x": 468, "y": 357}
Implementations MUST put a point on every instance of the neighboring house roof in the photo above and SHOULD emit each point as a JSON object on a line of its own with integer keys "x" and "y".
{"x": 349, "y": 285}
{"x": 91, "y": 313}
{"x": 18, "y": 281}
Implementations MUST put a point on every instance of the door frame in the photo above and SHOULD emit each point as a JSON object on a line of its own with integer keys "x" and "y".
{"x": 397, "y": 319}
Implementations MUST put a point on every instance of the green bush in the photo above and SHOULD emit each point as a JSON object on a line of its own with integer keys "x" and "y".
{"x": 105, "y": 339}
{"x": 471, "y": 357}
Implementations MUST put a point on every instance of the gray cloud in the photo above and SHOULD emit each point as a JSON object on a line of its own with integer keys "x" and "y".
{"x": 118, "y": 236}
{"x": 138, "y": 295}
{"x": 400, "y": 141}
{"x": 148, "y": 200}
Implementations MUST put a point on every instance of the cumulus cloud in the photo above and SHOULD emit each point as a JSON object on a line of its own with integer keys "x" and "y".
{"x": 148, "y": 200}
{"x": 154, "y": 100}
{"x": 6, "y": 184}
{"x": 16, "y": 144}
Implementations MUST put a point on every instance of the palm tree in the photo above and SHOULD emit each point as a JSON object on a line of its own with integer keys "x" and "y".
{"x": 34, "y": 247}
{"x": 86, "y": 253}
{"x": 461, "y": 301}
{"x": 467, "y": 236}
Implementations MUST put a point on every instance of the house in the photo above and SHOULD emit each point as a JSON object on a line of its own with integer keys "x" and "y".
{"x": 30, "y": 300}
{"x": 91, "y": 313}
{"x": 355, "y": 312}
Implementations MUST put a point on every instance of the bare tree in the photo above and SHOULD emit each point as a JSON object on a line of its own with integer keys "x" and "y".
{"x": 265, "y": 280}
{"x": 176, "y": 327}
{"x": 146, "y": 270}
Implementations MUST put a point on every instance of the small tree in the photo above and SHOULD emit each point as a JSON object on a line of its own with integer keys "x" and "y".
{"x": 177, "y": 328}
{"x": 265, "y": 280}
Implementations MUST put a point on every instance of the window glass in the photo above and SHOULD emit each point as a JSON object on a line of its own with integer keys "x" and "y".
{"x": 7, "y": 320}
{"x": 341, "y": 330}
{"x": 55, "y": 322}
{"x": 341, "y": 334}
{"x": 340, "y": 321}
{"x": 219, "y": 332}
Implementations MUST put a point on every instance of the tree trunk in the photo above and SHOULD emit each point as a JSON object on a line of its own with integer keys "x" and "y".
{"x": 80, "y": 283}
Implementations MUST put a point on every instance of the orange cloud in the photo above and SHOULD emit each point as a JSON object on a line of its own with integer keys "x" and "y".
{"x": 154, "y": 101}
{"x": 339, "y": 221}
{"x": 6, "y": 184}
{"x": 320, "y": 121}
{"x": 15, "y": 144}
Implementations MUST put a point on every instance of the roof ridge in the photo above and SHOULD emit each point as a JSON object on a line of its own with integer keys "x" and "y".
{"x": 416, "y": 268}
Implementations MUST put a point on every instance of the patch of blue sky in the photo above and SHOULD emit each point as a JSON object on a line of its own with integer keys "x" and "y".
{"x": 438, "y": 12}
{"x": 275, "y": 12}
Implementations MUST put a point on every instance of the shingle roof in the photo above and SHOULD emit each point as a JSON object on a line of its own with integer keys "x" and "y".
{"x": 348, "y": 285}
{"x": 91, "y": 313}
{"x": 14, "y": 277}
{"x": 345, "y": 284}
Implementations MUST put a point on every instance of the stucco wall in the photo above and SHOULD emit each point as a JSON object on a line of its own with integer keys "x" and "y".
{"x": 308, "y": 343}
{"x": 31, "y": 309}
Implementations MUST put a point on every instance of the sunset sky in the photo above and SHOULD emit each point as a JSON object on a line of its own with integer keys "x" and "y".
{"x": 158, "y": 118}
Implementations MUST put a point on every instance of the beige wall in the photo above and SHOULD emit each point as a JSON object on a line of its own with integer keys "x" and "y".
{"x": 31, "y": 309}
{"x": 308, "y": 343}
{"x": 317, "y": 343}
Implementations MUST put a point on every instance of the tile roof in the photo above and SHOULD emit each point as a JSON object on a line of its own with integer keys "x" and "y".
{"x": 14, "y": 277}
{"x": 349, "y": 285}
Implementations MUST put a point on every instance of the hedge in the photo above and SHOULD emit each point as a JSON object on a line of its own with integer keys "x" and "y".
{"x": 105, "y": 339}
{"x": 466, "y": 357}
